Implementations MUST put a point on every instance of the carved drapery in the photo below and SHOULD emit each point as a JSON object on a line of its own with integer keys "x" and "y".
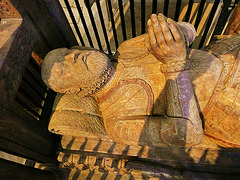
{"x": 7, "y": 10}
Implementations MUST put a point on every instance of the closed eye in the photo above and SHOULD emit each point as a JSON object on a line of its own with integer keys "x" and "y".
{"x": 76, "y": 57}
{"x": 84, "y": 59}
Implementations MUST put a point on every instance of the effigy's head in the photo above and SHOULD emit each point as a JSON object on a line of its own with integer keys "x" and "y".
{"x": 70, "y": 70}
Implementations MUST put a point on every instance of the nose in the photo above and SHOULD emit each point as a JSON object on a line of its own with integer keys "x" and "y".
{"x": 70, "y": 58}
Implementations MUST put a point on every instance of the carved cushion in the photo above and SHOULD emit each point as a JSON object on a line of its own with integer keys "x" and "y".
{"x": 76, "y": 116}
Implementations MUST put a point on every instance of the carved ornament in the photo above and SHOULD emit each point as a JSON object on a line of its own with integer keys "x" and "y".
{"x": 7, "y": 10}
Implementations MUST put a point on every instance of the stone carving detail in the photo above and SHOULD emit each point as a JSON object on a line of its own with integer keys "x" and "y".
{"x": 83, "y": 165}
{"x": 7, "y": 10}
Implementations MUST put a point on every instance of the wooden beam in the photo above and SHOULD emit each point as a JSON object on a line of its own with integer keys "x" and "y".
{"x": 59, "y": 18}
{"x": 50, "y": 20}
{"x": 11, "y": 170}
{"x": 26, "y": 137}
{"x": 43, "y": 27}
{"x": 16, "y": 56}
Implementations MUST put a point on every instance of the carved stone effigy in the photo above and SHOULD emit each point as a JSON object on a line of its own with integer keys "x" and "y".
{"x": 125, "y": 115}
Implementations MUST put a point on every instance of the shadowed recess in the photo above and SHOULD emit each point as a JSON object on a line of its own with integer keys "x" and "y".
{"x": 111, "y": 149}
{"x": 104, "y": 176}
{"x": 76, "y": 175}
{"x": 125, "y": 151}
{"x": 69, "y": 145}
{"x": 97, "y": 146}
{"x": 140, "y": 152}
{"x": 90, "y": 175}
{"x": 118, "y": 177}
{"x": 82, "y": 147}
{"x": 82, "y": 159}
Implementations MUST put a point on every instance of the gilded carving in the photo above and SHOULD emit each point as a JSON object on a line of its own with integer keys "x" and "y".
{"x": 7, "y": 10}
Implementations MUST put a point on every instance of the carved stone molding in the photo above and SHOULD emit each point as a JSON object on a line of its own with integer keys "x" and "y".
{"x": 7, "y": 10}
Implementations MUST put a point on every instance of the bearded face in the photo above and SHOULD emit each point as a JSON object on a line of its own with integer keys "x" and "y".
{"x": 69, "y": 71}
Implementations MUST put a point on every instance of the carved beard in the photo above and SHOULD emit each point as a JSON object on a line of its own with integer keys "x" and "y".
{"x": 103, "y": 79}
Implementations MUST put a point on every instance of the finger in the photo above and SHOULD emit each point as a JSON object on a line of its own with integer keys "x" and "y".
{"x": 165, "y": 30}
{"x": 174, "y": 30}
{"x": 158, "y": 31}
{"x": 152, "y": 37}
{"x": 147, "y": 44}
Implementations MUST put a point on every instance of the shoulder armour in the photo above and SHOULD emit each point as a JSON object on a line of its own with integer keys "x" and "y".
{"x": 132, "y": 48}
{"x": 225, "y": 45}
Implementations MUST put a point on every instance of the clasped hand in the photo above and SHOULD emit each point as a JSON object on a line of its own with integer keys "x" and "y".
{"x": 166, "y": 41}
